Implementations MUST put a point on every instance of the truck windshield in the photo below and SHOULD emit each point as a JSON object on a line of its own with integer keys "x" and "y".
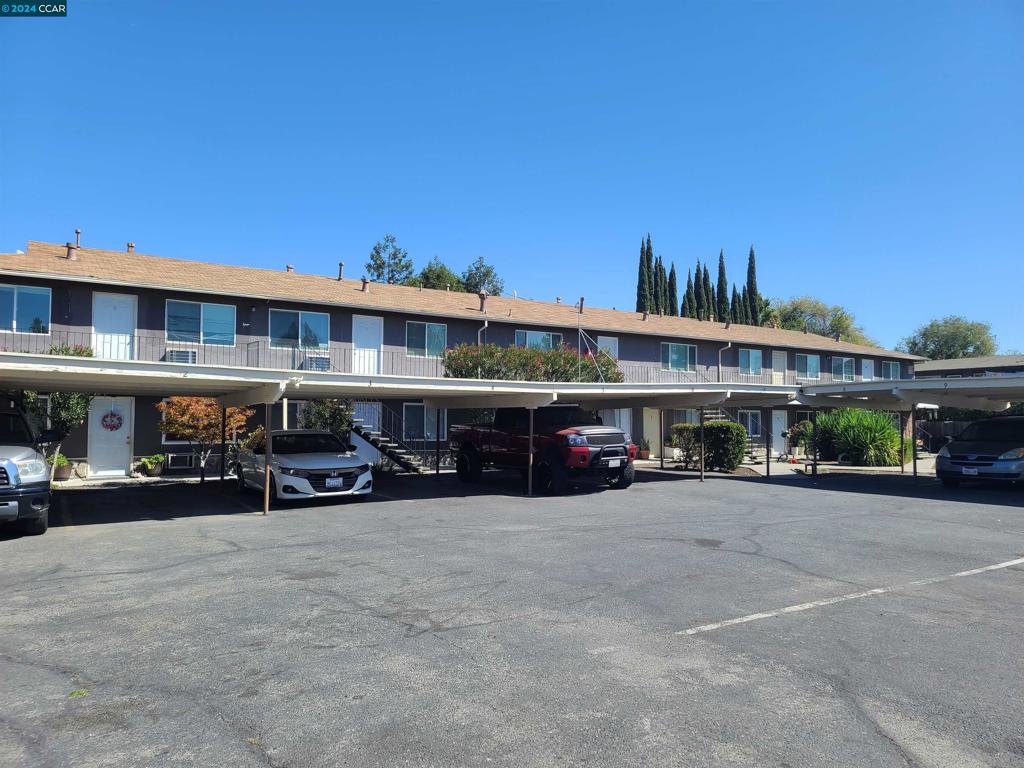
{"x": 994, "y": 431}
{"x": 285, "y": 444}
{"x": 560, "y": 418}
{"x": 13, "y": 429}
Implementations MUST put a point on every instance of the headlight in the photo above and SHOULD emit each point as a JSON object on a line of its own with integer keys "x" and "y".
{"x": 294, "y": 472}
{"x": 628, "y": 439}
{"x": 943, "y": 452}
{"x": 576, "y": 440}
{"x": 1016, "y": 453}
{"x": 32, "y": 470}
{"x": 362, "y": 468}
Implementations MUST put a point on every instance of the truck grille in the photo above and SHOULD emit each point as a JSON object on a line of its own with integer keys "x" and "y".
{"x": 614, "y": 438}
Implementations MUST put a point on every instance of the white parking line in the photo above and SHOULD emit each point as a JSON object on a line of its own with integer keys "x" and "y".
{"x": 844, "y": 598}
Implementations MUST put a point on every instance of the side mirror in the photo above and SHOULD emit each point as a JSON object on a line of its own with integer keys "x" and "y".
{"x": 48, "y": 436}
{"x": 352, "y": 448}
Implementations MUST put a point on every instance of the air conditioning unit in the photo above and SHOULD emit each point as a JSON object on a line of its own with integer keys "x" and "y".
{"x": 316, "y": 363}
{"x": 182, "y": 356}
{"x": 181, "y": 460}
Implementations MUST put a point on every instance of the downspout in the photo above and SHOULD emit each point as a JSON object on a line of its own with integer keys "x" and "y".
{"x": 720, "y": 351}
{"x": 480, "y": 343}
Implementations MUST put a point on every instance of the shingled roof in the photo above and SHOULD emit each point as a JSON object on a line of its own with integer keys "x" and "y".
{"x": 137, "y": 269}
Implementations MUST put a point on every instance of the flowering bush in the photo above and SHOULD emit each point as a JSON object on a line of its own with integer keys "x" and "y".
{"x": 490, "y": 361}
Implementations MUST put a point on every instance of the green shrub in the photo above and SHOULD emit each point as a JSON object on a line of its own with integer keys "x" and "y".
{"x": 59, "y": 460}
{"x": 801, "y": 434}
{"x": 725, "y": 444}
{"x": 686, "y": 437}
{"x": 149, "y": 463}
{"x": 864, "y": 438}
{"x": 490, "y": 361}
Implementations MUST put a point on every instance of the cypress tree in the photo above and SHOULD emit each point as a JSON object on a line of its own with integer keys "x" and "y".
{"x": 689, "y": 300}
{"x": 734, "y": 305}
{"x": 673, "y": 292}
{"x": 666, "y": 308}
{"x": 745, "y": 306}
{"x": 709, "y": 295}
{"x": 753, "y": 297}
{"x": 649, "y": 261}
{"x": 643, "y": 283}
{"x": 659, "y": 279}
{"x": 698, "y": 292}
{"x": 722, "y": 297}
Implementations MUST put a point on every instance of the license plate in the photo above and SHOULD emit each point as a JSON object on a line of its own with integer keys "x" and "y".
{"x": 614, "y": 462}
{"x": 335, "y": 482}
{"x": 969, "y": 470}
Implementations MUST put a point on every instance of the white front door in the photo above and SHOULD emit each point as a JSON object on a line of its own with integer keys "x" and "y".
{"x": 110, "y": 436}
{"x": 652, "y": 430}
{"x": 367, "y": 341}
{"x": 113, "y": 326}
{"x": 780, "y": 423}
{"x": 778, "y": 366}
{"x": 867, "y": 370}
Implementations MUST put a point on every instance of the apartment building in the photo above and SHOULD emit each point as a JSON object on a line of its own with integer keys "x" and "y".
{"x": 126, "y": 305}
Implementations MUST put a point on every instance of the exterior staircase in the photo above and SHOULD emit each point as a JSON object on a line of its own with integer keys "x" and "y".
{"x": 390, "y": 447}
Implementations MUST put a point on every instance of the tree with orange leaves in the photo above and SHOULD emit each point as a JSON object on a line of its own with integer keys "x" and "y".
{"x": 197, "y": 420}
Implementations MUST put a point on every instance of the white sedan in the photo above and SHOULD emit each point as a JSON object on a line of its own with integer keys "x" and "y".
{"x": 304, "y": 464}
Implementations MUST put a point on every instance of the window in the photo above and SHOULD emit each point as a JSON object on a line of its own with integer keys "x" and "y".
{"x": 538, "y": 339}
{"x": 609, "y": 344}
{"x": 678, "y": 357}
{"x": 420, "y": 422}
{"x": 425, "y": 339}
{"x": 802, "y": 416}
{"x": 750, "y": 362}
{"x": 808, "y": 366}
{"x": 843, "y": 369}
{"x": 200, "y": 323}
{"x": 890, "y": 370}
{"x": 24, "y": 309}
{"x": 289, "y": 328}
{"x": 752, "y": 421}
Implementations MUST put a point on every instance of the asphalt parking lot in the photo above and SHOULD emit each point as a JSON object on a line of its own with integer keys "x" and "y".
{"x": 436, "y": 626}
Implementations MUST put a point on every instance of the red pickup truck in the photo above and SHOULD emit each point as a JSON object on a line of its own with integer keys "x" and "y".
{"x": 569, "y": 443}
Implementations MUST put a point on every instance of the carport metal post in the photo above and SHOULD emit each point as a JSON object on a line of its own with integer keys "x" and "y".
{"x": 661, "y": 437}
{"x": 266, "y": 460}
{"x": 913, "y": 437}
{"x": 702, "y": 443}
{"x": 529, "y": 454}
{"x": 223, "y": 440}
{"x": 437, "y": 444}
{"x": 814, "y": 435}
{"x": 768, "y": 437}
{"x": 903, "y": 462}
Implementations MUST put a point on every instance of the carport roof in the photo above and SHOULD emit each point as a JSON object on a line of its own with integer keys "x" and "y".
{"x": 249, "y": 386}
{"x": 990, "y": 393}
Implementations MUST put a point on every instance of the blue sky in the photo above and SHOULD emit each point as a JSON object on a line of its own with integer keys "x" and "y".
{"x": 871, "y": 151}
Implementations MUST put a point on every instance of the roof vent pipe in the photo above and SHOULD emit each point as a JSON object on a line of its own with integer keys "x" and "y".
{"x": 366, "y": 285}
{"x": 341, "y": 270}
{"x": 483, "y": 300}
{"x": 645, "y": 315}
{"x": 78, "y": 238}
{"x": 581, "y": 305}
{"x": 558, "y": 299}
{"x": 838, "y": 337}
{"x": 131, "y": 247}
{"x": 72, "y": 256}
{"x": 289, "y": 268}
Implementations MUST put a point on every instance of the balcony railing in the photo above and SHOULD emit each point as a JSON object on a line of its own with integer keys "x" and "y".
{"x": 338, "y": 358}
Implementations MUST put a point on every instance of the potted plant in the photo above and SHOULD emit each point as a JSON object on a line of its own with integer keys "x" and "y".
{"x": 62, "y": 467}
{"x": 645, "y": 448}
{"x": 152, "y": 466}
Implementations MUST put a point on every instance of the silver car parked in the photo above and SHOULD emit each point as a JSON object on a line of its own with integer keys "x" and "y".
{"x": 992, "y": 449}
{"x": 304, "y": 464}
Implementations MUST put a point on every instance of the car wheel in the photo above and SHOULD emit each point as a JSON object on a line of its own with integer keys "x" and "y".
{"x": 242, "y": 487}
{"x": 551, "y": 477}
{"x": 468, "y": 466}
{"x": 950, "y": 482}
{"x": 623, "y": 479}
{"x": 36, "y": 526}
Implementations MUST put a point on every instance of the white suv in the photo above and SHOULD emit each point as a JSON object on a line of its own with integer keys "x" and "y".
{"x": 304, "y": 464}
